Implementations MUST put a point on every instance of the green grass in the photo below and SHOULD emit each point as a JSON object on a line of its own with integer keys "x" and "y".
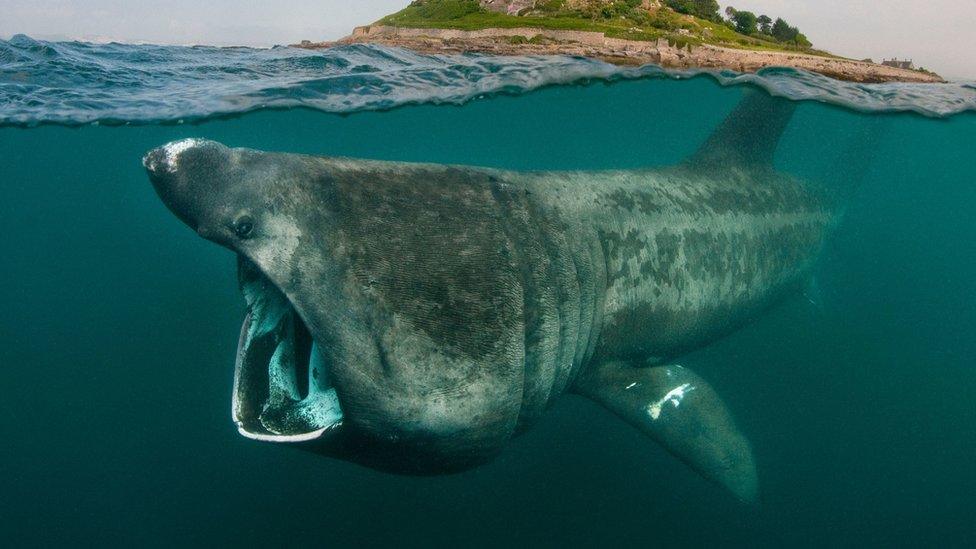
{"x": 628, "y": 23}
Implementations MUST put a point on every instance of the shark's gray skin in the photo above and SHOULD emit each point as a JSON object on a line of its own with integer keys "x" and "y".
{"x": 415, "y": 317}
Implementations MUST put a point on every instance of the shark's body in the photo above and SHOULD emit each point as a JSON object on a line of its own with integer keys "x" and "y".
{"x": 446, "y": 307}
{"x": 678, "y": 256}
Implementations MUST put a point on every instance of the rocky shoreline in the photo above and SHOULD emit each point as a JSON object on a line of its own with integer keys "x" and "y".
{"x": 534, "y": 41}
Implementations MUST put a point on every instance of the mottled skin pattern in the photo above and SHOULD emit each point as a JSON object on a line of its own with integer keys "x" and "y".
{"x": 687, "y": 255}
{"x": 453, "y": 304}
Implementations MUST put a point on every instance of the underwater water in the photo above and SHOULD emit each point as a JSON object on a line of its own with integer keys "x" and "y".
{"x": 120, "y": 325}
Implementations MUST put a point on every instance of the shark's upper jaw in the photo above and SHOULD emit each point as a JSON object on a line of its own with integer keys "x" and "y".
{"x": 282, "y": 390}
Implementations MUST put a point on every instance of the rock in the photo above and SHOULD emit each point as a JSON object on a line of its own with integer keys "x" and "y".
{"x": 511, "y": 7}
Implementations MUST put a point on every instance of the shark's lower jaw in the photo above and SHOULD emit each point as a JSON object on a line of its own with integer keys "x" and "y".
{"x": 282, "y": 391}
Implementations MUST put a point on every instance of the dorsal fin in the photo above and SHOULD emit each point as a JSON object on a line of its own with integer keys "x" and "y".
{"x": 750, "y": 134}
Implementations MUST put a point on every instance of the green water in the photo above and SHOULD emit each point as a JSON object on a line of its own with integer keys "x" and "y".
{"x": 119, "y": 329}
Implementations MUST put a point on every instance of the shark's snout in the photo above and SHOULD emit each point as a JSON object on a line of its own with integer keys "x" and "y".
{"x": 155, "y": 161}
{"x": 157, "y": 167}
{"x": 162, "y": 164}
{"x": 166, "y": 159}
{"x": 184, "y": 174}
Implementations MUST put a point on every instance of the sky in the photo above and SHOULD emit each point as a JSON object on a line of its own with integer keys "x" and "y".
{"x": 937, "y": 34}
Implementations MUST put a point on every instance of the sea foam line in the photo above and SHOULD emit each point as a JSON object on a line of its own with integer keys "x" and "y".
{"x": 76, "y": 83}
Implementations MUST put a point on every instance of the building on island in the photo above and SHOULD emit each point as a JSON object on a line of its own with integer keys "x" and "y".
{"x": 898, "y": 64}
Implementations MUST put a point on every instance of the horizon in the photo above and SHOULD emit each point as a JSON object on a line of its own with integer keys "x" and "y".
{"x": 832, "y": 25}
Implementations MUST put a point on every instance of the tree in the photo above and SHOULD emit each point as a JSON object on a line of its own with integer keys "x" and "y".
{"x": 800, "y": 40}
{"x": 781, "y": 30}
{"x": 765, "y": 24}
{"x": 745, "y": 22}
{"x": 730, "y": 12}
{"x": 706, "y": 9}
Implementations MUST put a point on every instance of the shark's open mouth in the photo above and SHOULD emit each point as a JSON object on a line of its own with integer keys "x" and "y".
{"x": 282, "y": 391}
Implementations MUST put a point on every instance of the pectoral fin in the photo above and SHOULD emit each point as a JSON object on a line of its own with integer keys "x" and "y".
{"x": 682, "y": 412}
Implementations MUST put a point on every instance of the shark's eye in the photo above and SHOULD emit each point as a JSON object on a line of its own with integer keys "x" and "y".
{"x": 244, "y": 226}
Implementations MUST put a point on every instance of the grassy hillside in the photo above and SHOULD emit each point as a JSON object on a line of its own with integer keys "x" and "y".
{"x": 618, "y": 19}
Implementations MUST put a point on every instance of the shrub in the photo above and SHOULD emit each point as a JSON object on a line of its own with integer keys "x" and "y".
{"x": 665, "y": 20}
{"x": 706, "y": 9}
{"x": 441, "y": 10}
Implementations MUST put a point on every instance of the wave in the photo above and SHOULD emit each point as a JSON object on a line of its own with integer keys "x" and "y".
{"x": 77, "y": 83}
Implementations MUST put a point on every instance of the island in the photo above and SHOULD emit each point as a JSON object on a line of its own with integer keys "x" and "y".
{"x": 678, "y": 34}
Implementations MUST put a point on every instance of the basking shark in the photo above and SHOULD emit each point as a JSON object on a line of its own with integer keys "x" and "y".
{"x": 415, "y": 317}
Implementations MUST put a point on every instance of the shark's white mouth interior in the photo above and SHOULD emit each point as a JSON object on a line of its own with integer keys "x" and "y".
{"x": 282, "y": 391}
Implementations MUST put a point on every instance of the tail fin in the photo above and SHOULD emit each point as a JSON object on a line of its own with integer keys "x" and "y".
{"x": 750, "y": 134}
